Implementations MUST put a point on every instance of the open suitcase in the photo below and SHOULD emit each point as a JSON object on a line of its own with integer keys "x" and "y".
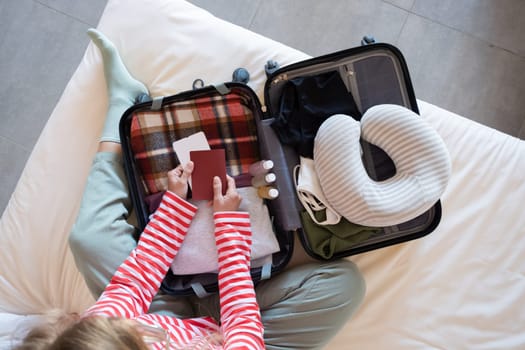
{"x": 371, "y": 74}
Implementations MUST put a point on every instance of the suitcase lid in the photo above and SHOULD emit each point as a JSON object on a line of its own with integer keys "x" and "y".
{"x": 374, "y": 74}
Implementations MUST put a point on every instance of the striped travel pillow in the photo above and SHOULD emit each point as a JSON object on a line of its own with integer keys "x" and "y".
{"x": 422, "y": 166}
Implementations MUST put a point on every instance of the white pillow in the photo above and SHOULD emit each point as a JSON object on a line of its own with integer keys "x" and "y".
{"x": 419, "y": 154}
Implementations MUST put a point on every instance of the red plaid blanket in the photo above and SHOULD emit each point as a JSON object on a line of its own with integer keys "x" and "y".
{"x": 227, "y": 121}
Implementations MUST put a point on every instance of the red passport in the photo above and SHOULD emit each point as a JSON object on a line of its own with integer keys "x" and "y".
{"x": 206, "y": 165}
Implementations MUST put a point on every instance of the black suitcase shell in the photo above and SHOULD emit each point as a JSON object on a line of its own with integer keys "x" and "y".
{"x": 375, "y": 74}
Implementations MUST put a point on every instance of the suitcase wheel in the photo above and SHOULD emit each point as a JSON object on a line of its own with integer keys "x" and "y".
{"x": 270, "y": 67}
{"x": 142, "y": 98}
{"x": 367, "y": 40}
{"x": 241, "y": 75}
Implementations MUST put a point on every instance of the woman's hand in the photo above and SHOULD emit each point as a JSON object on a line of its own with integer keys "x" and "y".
{"x": 230, "y": 201}
{"x": 178, "y": 179}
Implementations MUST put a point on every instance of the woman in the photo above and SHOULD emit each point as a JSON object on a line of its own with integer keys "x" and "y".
{"x": 128, "y": 296}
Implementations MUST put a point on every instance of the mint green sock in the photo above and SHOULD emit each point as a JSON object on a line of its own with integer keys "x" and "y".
{"x": 123, "y": 89}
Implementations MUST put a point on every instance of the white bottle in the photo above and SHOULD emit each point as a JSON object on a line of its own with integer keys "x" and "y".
{"x": 268, "y": 192}
{"x": 260, "y": 167}
{"x": 263, "y": 179}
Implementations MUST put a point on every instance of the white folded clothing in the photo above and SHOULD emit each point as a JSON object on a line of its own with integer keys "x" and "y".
{"x": 198, "y": 253}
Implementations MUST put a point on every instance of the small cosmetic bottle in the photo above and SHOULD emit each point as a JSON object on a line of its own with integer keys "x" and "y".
{"x": 260, "y": 167}
{"x": 263, "y": 179}
{"x": 268, "y": 192}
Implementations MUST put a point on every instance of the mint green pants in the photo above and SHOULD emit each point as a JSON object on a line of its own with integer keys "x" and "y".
{"x": 303, "y": 307}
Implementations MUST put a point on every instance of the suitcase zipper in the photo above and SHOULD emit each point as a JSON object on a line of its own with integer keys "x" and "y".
{"x": 350, "y": 80}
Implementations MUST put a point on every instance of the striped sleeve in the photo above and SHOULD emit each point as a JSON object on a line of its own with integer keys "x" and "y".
{"x": 240, "y": 315}
{"x": 137, "y": 280}
{"x": 182, "y": 332}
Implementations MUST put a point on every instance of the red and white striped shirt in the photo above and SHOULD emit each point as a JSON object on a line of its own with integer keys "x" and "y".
{"x": 137, "y": 280}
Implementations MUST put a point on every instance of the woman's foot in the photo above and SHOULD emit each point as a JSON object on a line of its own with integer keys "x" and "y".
{"x": 123, "y": 89}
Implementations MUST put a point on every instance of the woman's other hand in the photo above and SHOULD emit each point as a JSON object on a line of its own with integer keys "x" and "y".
{"x": 230, "y": 201}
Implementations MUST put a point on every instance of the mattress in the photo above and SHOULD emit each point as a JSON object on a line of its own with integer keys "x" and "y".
{"x": 461, "y": 287}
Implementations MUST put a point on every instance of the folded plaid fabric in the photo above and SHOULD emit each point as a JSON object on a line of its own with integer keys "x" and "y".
{"x": 227, "y": 121}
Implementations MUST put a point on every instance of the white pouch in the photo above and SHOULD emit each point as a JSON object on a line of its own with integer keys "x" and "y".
{"x": 310, "y": 193}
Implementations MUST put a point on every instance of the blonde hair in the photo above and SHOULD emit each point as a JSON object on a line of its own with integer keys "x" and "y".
{"x": 62, "y": 331}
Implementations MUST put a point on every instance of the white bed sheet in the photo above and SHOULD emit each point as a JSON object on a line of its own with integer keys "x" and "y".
{"x": 461, "y": 287}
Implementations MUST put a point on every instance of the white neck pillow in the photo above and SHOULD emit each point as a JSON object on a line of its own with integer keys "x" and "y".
{"x": 422, "y": 166}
